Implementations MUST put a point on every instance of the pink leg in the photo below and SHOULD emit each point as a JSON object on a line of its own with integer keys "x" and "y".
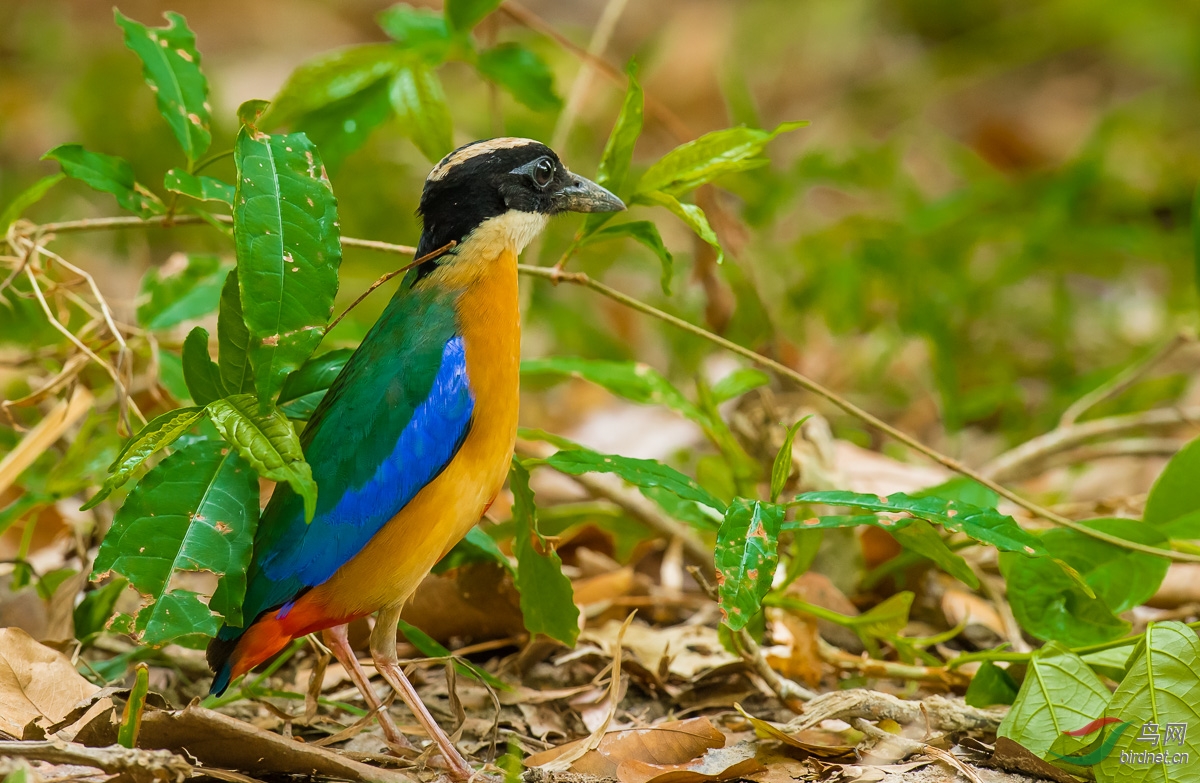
{"x": 383, "y": 651}
{"x": 338, "y": 640}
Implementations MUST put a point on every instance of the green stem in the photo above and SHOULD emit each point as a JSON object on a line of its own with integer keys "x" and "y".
{"x": 206, "y": 162}
{"x": 1015, "y": 657}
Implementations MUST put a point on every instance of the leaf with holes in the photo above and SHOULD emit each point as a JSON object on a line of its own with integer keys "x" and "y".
{"x": 268, "y": 442}
{"x": 285, "y": 228}
{"x": 195, "y": 511}
{"x": 159, "y": 433}
{"x": 1060, "y": 694}
{"x": 746, "y": 556}
{"x": 173, "y": 294}
{"x": 107, "y": 174}
{"x": 199, "y": 188}
{"x": 171, "y": 66}
{"x": 420, "y": 103}
{"x": 547, "y": 599}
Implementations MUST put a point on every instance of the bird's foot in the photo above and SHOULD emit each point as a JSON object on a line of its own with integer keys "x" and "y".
{"x": 338, "y": 641}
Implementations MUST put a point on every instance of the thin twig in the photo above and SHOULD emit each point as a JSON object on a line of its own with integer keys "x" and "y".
{"x": 1093, "y": 452}
{"x": 1123, "y": 380}
{"x": 870, "y": 667}
{"x": 137, "y": 763}
{"x": 446, "y": 248}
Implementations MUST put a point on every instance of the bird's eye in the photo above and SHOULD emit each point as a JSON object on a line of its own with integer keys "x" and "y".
{"x": 543, "y": 172}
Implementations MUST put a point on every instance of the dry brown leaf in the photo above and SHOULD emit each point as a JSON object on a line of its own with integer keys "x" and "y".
{"x": 675, "y": 742}
{"x": 35, "y": 682}
{"x": 796, "y": 654}
{"x": 965, "y": 608}
{"x": 604, "y": 587}
{"x": 477, "y": 602}
{"x": 768, "y": 730}
{"x": 216, "y": 740}
{"x": 689, "y": 650}
{"x": 43, "y": 435}
{"x": 1180, "y": 586}
{"x": 716, "y": 764}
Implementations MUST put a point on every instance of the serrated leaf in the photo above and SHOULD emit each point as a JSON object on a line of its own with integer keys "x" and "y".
{"x": 233, "y": 341}
{"x": 692, "y": 215}
{"x": 462, "y": 15}
{"x": 331, "y": 77}
{"x": 985, "y": 525}
{"x": 422, "y": 30}
{"x": 420, "y": 104}
{"x": 1162, "y": 689}
{"x": 639, "y": 472}
{"x": 990, "y": 686}
{"x": 1173, "y": 505}
{"x": 171, "y": 66}
{"x": 199, "y": 188}
{"x": 746, "y": 555}
{"x": 268, "y": 442}
{"x": 181, "y": 293}
{"x": 702, "y": 160}
{"x": 27, "y": 198}
{"x": 195, "y": 511}
{"x": 522, "y": 73}
{"x": 1060, "y": 694}
{"x": 289, "y": 250}
{"x": 647, "y": 234}
{"x": 158, "y": 433}
{"x": 781, "y": 468}
{"x": 547, "y": 599}
{"x": 107, "y": 174}
{"x": 199, "y": 371}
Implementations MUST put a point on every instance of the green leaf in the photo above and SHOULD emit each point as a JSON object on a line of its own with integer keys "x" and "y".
{"x": 962, "y": 488}
{"x": 158, "y": 433}
{"x": 740, "y": 381}
{"x": 646, "y": 233}
{"x": 1174, "y": 499}
{"x": 97, "y": 606}
{"x": 1052, "y": 606}
{"x": 618, "y": 150}
{"x": 985, "y": 525}
{"x": 199, "y": 188}
{"x": 180, "y": 292}
{"x": 990, "y": 686}
{"x": 305, "y": 387}
{"x": 422, "y": 30}
{"x": 171, "y": 66}
{"x": 746, "y": 555}
{"x": 1162, "y": 688}
{"x": 199, "y": 371}
{"x": 432, "y": 648}
{"x": 639, "y": 472}
{"x": 920, "y": 537}
{"x": 698, "y": 162}
{"x": 341, "y": 127}
{"x": 420, "y": 104}
{"x": 27, "y": 198}
{"x": 781, "y": 468}
{"x": 1060, "y": 694}
{"x": 886, "y": 618}
{"x": 195, "y": 511}
{"x": 634, "y": 381}
{"x": 107, "y": 174}
{"x": 288, "y": 248}
{"x": 475, "y": 547}
{"x": 1112, "y": 662}
{"x": 1122, "y": 579}
{"x": 170, "y": 374}
{"x": 547, "y": 599}
{"x": 331, "y": 77}
{"x": 692, "y": 215}
{"x": 462, "y": 15}
{"x": 268, "y": 442}
{"x": 233, "y": 341}
{"x": 523, "y": 74}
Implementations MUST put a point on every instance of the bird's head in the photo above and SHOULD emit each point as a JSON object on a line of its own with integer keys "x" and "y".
{"x": 496, "y": 195}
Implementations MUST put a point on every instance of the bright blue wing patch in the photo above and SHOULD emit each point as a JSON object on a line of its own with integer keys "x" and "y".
{"x": 425, "y": 446}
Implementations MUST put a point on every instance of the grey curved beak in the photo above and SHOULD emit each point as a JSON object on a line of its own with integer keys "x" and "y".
{"x": 583, "y": 195}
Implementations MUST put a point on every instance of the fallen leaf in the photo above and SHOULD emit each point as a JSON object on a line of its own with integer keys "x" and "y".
{"x": 965, "y": 608}
{"x": 689, "y": 650}
{"x": 717, "y": 764}
{"x": 675, "y": 742}
{"x": 36, "y": 682}
{"x": 769, "y": 730}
